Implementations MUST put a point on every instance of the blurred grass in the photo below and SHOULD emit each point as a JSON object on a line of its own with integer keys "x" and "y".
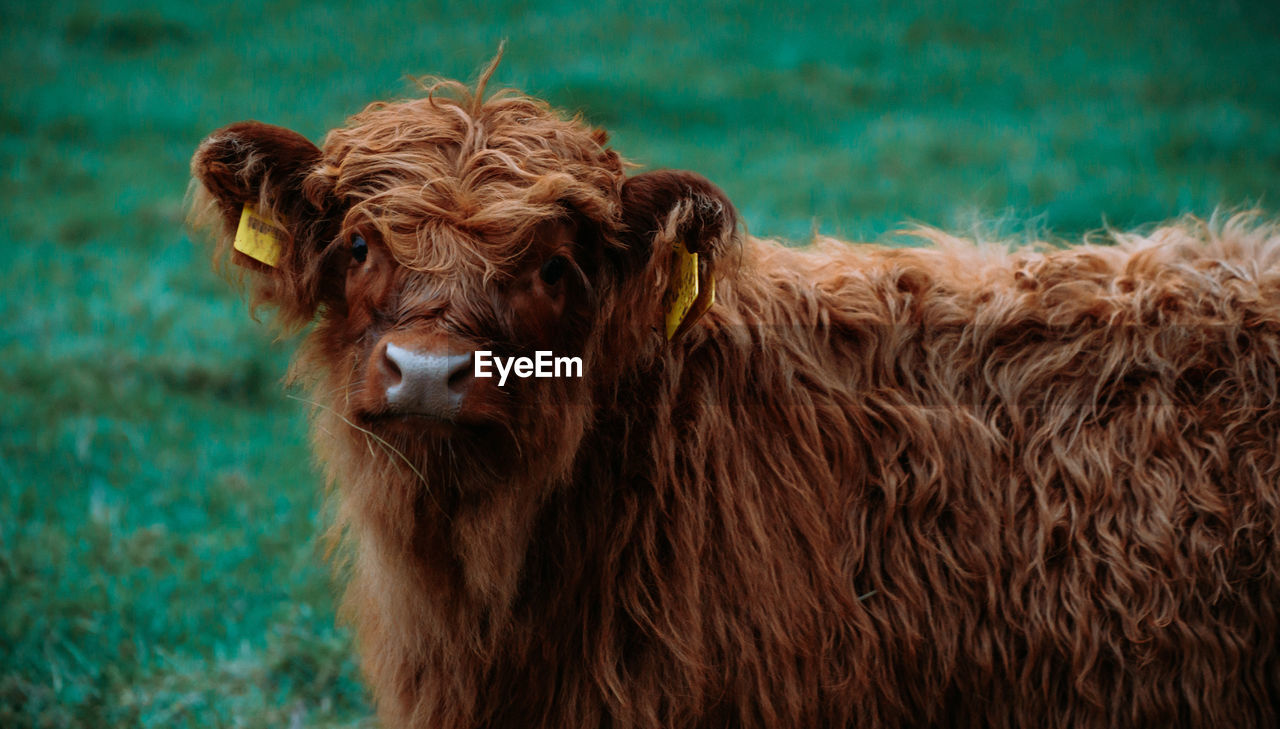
{"x": 158, "y": 514}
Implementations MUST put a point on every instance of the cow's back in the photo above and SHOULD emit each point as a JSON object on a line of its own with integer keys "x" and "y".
{"x": 1061, "y": 489}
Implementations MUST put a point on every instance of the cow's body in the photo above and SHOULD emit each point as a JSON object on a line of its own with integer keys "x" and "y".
{"x": 871, "y": 487}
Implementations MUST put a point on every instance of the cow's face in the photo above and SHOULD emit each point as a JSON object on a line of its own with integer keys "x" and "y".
{"x": 415, "y": 335}
{"x": 429, "y": 234}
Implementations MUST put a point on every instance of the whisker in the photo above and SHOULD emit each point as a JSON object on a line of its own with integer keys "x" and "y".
{"x": 383, "y": 442}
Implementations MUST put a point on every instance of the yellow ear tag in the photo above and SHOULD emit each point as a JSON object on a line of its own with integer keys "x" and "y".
{"x": 257, "y": 237}
{"x": 685, "y": 301}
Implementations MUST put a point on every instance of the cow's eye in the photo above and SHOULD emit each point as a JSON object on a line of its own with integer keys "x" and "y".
{"x": 359, "y": 249}
{"x": 553, "y": 270}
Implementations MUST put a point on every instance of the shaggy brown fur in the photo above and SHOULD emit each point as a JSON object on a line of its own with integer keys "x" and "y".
{"x": 944, "y": 486}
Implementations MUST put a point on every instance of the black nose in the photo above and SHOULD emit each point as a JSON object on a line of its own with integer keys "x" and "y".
{"x": 426, "y": 383}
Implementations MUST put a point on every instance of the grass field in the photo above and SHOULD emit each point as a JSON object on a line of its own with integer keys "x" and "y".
{"x": 159, "y": 564}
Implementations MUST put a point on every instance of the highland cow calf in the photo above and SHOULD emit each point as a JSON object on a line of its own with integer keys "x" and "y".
{"x": 872, "y": 487}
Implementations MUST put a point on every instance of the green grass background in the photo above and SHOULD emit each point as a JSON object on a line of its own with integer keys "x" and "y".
{"x": 159, "y": 564}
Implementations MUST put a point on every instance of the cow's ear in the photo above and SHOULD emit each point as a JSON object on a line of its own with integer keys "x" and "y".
{"x": 679, "y": 226}
{"x": 274, "y": 171}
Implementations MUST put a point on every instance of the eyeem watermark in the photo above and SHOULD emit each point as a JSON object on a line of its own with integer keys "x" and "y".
{"x": 542, "y": 364}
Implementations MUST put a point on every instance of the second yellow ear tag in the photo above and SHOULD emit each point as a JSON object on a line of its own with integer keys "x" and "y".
{"x": 686, "y": 301}
{"x": 257, "y": 237}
